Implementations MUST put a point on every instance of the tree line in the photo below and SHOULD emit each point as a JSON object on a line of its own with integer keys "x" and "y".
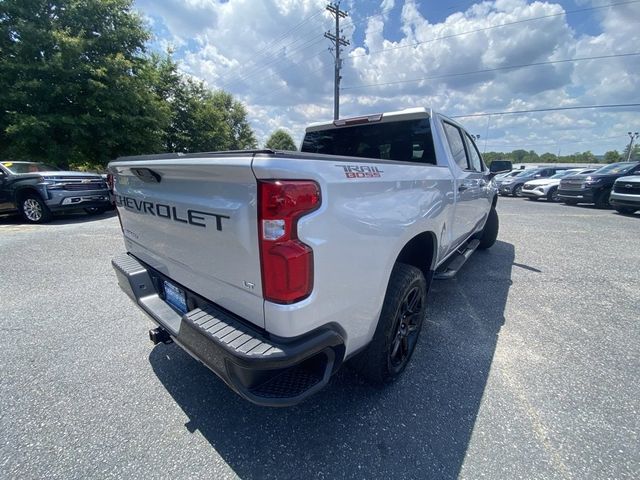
{"x": 524, "y": 156}
{"x": 78, "y": 89}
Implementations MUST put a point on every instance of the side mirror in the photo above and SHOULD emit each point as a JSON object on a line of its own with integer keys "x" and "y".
{"x": 500, "y": 166}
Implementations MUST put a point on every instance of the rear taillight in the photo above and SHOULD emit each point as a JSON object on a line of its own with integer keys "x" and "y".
{"x": 110, "y": 181}
{"x": 287, "y": 263}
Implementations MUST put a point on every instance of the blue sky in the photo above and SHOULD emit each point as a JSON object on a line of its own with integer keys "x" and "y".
{"x": 271, "y": 54}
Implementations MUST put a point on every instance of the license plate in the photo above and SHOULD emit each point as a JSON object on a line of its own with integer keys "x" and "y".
{"x": 175, "y": 297}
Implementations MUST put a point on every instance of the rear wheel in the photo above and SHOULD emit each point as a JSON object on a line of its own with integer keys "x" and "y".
{"x": 396, "y": 336}
{"x": 517, "y": 192}
{"x": 34, "y": 210}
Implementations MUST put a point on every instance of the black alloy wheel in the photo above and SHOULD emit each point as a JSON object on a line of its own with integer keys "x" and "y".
{"x": 396, "y": 335}
{"x": 408, "y": 322}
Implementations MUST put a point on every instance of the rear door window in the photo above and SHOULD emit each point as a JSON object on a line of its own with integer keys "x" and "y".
{"x": 474, "y": 155}
{"x": 456, "y": 144}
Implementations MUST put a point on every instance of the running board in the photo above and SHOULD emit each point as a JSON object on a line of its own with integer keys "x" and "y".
{"x": 457, "y": 260}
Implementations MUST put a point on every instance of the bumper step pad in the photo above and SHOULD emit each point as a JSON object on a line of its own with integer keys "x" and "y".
{"x": 264, "y": 370}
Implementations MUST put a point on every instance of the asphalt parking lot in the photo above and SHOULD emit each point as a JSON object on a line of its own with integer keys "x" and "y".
{"x": 528, "y": 367}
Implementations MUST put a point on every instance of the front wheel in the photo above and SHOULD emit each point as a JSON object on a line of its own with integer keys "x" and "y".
{"x": 625, "y": 210}
{"x": 396, "y": 335}
{"x": 602, "y": 199}
{"x": 553, "y": 195}
{"x": 490, "y": 231}
{"x": 34, "y": 210}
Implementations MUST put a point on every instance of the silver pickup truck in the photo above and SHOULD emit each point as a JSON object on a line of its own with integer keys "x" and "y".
{"x": 273, "y": 268}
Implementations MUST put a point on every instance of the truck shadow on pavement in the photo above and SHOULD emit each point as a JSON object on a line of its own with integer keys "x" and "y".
{"x": 418, "y": 427}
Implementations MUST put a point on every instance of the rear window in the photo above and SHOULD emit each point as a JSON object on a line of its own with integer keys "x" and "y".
{"x": 406, "y": 141}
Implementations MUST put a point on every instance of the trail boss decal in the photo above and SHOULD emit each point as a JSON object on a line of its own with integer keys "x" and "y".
{"x": 361, "y": 171}
{"x": 192, "y": 217}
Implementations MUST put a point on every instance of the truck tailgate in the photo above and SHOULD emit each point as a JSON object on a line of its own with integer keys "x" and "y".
{"x": 195, "y": 221}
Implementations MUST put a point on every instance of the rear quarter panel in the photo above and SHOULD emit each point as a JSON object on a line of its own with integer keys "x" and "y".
{"x": 356, "y": 236}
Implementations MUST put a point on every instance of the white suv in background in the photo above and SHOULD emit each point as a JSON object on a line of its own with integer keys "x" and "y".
{"x": 548, "y": 187}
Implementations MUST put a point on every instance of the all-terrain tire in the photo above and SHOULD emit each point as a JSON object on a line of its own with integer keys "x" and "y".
{"x": 490, "y": 231}
{"x": 399, "y": 325}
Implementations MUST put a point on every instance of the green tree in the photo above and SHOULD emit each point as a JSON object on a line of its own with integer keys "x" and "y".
{"x": 235, "y": 116}
{"x": 635, "y": 153}
{"x": 612, "y": 156}
{"x": 489, "y": 157}
{"x": 586, "y": 157}
{"x": 518, "y": 155}
{"x": 530, "y": 157}
{"x": 548, "y": 158}
{"x": 281, "y": 140}
{"x": 73, "y": 83}
{"x": 199, "y": 119}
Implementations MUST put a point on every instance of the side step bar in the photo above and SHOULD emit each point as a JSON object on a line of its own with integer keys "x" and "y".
{"x": 457, "y": 260}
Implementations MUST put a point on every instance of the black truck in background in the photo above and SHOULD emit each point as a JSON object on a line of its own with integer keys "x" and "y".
{"x": 595, "y": 187}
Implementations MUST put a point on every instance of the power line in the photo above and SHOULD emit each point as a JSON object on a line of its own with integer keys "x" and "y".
{"x": 309, "y": 42}
{"x": 349, "y": 22}
{"x": 310, "y": 57}
{"x": 274, "y": 42}
{"x": 488, "y": 70}
{"x": 554, "y": 109}
{"x": 307, "y": 73}
{"x": 492, "y": 27}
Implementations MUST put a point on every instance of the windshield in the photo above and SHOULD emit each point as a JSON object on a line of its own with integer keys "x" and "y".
{"x": 528, "y": 173}
{"x": 564, "y": 173}
{"x": 615, "y": 168}
{"x": 28, "y": 167}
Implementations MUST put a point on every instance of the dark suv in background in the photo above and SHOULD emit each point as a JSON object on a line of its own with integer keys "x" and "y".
{"x": 595, "y": 187}
{"x": 36, "y": 190}
{"x": 513, "y": 185}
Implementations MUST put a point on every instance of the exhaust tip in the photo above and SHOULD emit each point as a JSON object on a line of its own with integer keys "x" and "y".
{"x": 159, "y": 335}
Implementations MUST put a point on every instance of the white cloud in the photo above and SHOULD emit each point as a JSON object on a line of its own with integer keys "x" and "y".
{"x": 272, "y": 55}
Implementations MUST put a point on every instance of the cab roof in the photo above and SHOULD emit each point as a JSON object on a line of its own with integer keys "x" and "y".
{"x": 407, "y": 114}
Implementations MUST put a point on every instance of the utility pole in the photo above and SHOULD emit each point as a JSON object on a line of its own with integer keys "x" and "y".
{"x": 633, "y": 136}
{"x": 339, "y": 41}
